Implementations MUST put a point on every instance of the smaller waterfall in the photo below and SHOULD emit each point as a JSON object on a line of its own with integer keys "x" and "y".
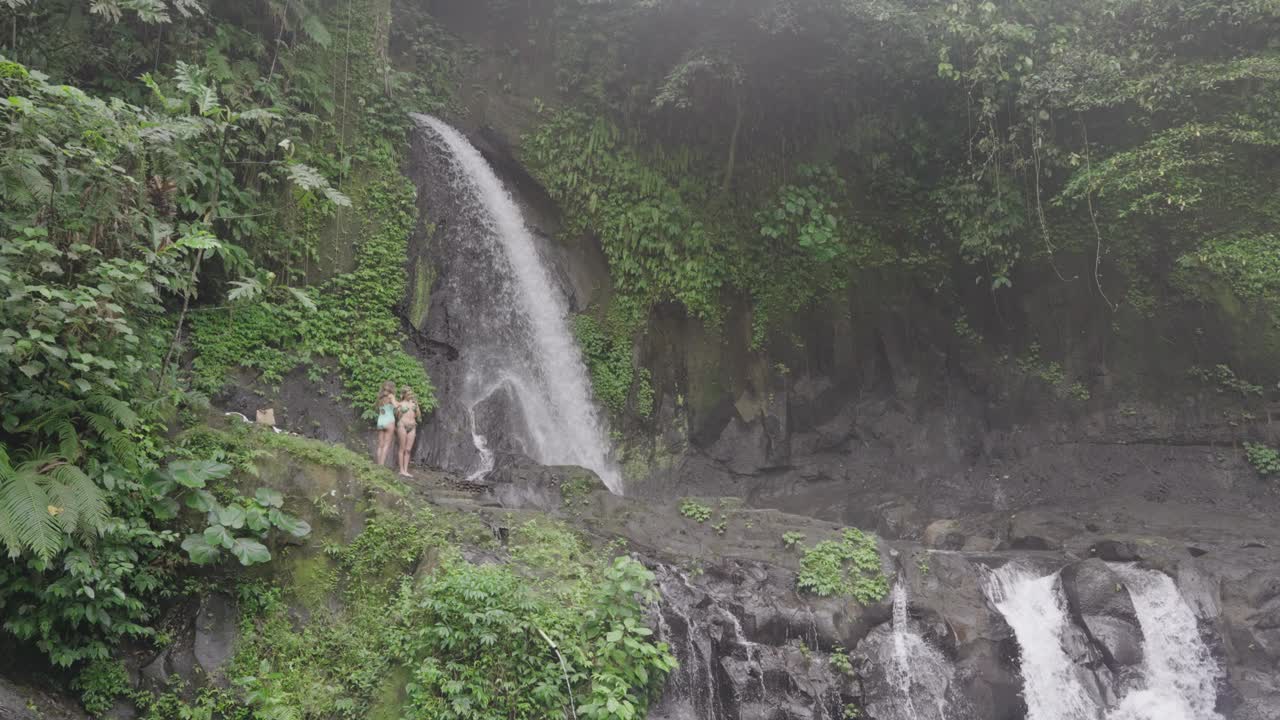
{"x": 482, "y": 447}
{"x": 1035, "y": 609}
{"x": 693, "y": 688}
{"x": 917, "y": 675}
{"x": 1179, "y": 674}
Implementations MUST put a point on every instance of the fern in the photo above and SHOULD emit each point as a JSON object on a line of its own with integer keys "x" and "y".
{"x": 118, "y": 410}
{"x": 28, "y": 518}
{"x": 42, "y": 500}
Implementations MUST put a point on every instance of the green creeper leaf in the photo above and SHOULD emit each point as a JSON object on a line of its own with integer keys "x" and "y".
{"x": 199, "y": 549}
{"x": 233, "y": 516}
{"x": 165, "y": 508}
{"x": 195, "y": 473}
{"x": 217, "y": 536}
{"x": 202, "y": 501}
{"x": 257, "y": 520}
{"x": 250, "y": 552}
{"x": 290, "y": 524}
{"x": 269, "y": 497}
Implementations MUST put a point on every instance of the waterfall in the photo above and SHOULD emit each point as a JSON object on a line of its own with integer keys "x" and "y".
{"x": 916, "y": 674}
{"x": 1179, "y": 674}
{"x": 1035, "y": 609}
{"x": 521, "y": 348}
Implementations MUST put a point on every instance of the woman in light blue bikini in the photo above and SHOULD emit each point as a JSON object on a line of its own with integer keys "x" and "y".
{"x": 386, "y": 420}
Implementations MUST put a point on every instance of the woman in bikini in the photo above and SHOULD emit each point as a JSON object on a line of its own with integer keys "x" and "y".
{"x": 407, "y": 427}
{"x": 386, "y": 405}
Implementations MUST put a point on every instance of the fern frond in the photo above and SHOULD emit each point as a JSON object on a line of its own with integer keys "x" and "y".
{"x": 83, "y": 503}
{"x": 10, "y": 538}
{"x": 52, "y": 413}
{"x": 68, "y": 439}
{"x": 27, "y": 515}
{"x": 116, "y": 409}
{"x": 118, "y": 445}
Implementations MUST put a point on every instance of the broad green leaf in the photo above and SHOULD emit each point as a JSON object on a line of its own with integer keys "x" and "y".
{"x": 269, "y": 497}
{"x": 201, "y": 552}
{"x": 290, "y": 524}
{"x": 250, "y": 552}
{"x": 232, "y": 516}
{"x": 202, "y": 501}
{"x": 257, "y": 519}
{"x": 217, "y": 536}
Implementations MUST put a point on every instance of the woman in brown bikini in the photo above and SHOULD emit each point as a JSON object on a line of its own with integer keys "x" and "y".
{"x": 407, "y": 426}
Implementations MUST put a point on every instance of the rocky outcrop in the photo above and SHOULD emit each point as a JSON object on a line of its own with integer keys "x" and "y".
{"x": 203, "y": 645}
{"x": 519, "y": 483}
{"x": 19, "y": 701}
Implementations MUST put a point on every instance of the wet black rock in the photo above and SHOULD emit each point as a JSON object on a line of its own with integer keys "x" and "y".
{"x": 520, "y": 483}
{"x": 19, "y": 701}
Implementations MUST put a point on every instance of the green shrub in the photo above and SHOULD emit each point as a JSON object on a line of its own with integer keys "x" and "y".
{"x": 695, "y": 510}
{"x": 849, "y": 567}
{"x": 614, "y": 377}
{"x": 100, "y": 682}
{"x": 1264, "y": 459}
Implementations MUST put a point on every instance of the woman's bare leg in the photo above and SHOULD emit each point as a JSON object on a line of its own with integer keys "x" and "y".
{"x": 401, "y": 451}
{"x": 384, "y": 444}
{"x": 406, "y": 450}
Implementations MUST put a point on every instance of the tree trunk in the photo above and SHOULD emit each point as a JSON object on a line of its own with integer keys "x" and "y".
{"x": 733, "y": 139}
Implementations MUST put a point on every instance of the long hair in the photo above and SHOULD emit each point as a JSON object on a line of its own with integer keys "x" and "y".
{"x": 406, "y": 393}
{"x": 388, "y": 391}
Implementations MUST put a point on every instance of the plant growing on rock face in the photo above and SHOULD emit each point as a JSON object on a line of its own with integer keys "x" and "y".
{"x": 1264, "y": 459}
{"x": 840, "y": 661}
{"x": 849, "y": 567}
{"x": 237, "y": 526}
{"x": 99, "y": 684}
{"x": 791, "y": 539}
{"x": 695, "y": 510}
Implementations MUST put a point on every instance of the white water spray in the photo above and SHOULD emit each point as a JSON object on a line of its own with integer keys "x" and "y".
{"x": 917, "y": 674}
{"x": 1179, "y": 674}
{"x": 526, "y": 347}
{"x": 1036, "y": 610}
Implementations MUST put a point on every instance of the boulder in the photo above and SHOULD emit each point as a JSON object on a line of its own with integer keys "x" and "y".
{"x": 204, "y": 643}
{"x": 217, "y": 629}
{"x": 1121, "y": 641}
{"x": 520, "y": 483}
{"x": 25, "y": 702}
{"x": 1093, "y": 588}
{"x": 944, "y": 535}
{"x": 1100, "y": 604}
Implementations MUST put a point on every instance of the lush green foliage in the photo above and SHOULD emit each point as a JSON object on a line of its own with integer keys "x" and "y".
{"x": 100, "y": 683}
{"x": 236, "y": 526}
{"x": 695, "y": 510}
{"x": 464, "y": 640}
{"x": 616, "y": 380}
{"x": 1120, "y": 158}
{"x": 848, "y": 567}
{"x": 351, "y": 318}
{"x": 659, "y": 246}
{"x": 792, "y": 539}
{"x": 1263, "y": 458}
{"x": 119, "y": 212}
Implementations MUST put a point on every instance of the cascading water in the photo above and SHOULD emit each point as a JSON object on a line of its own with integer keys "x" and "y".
{"x": 520, "y": 344}
{"x": 1035, "y": 609}
{"x": 917, "y": 675}
{"x": 1178, "y": 675}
